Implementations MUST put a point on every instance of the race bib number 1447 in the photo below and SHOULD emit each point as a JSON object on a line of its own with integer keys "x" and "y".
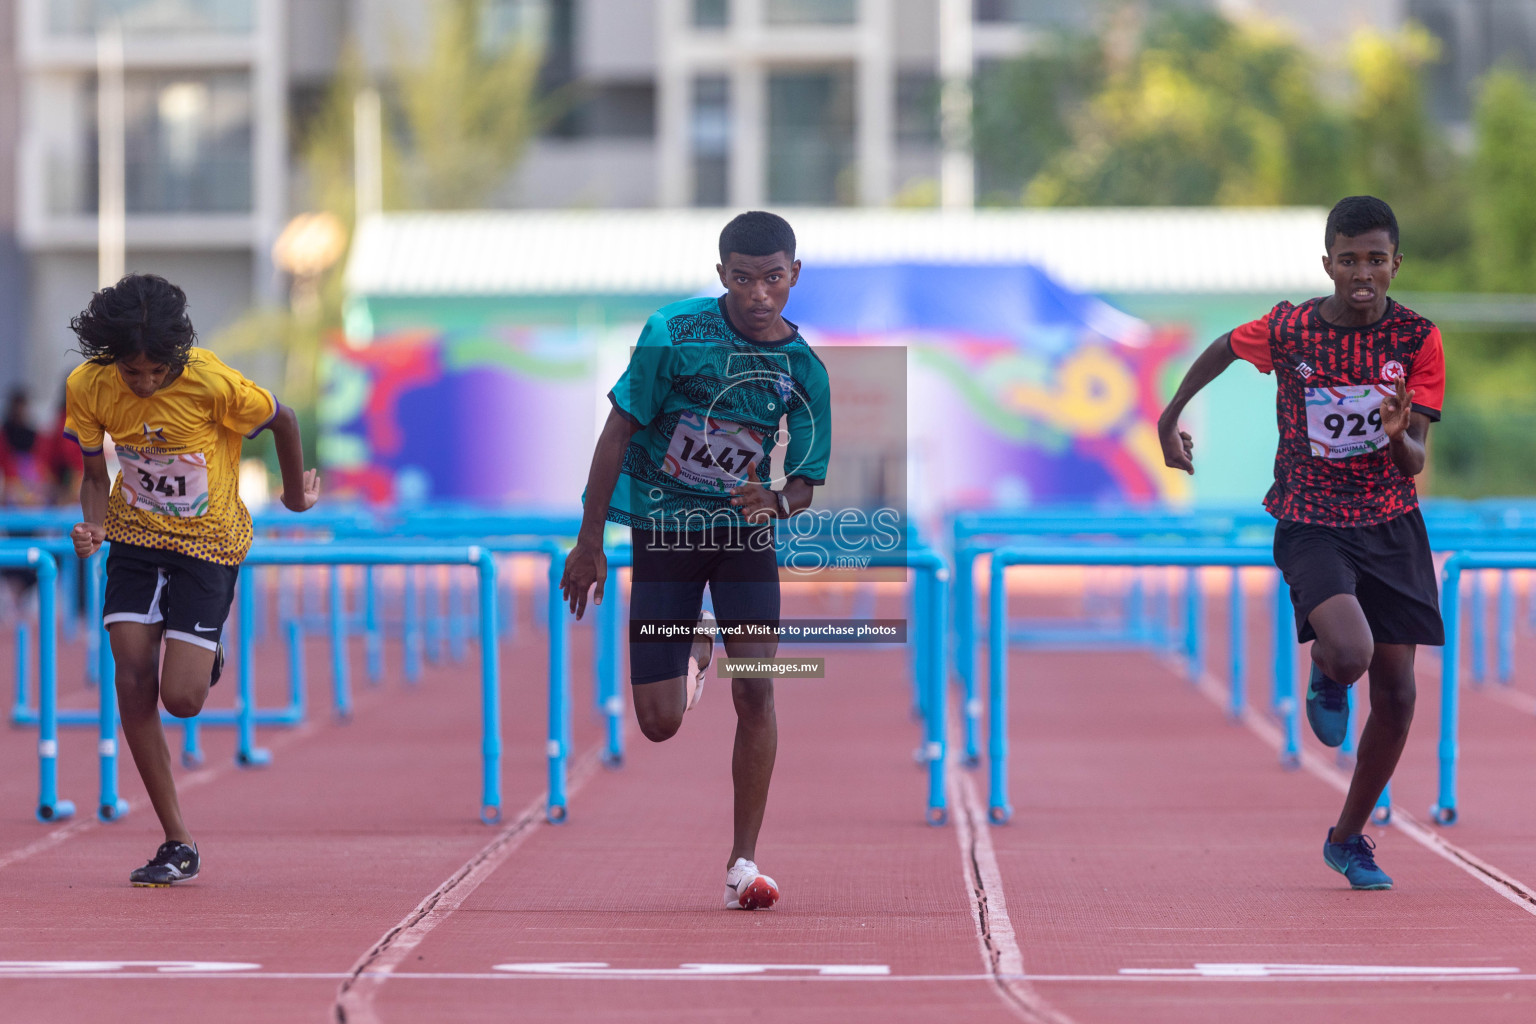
{"x": 713, "y": 454}
{"x": 1345, "y": 421}
{"x": 167, "y": 485}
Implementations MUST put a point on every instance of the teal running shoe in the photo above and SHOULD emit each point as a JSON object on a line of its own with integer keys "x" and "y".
{"x": 1327, "y": 708}
{"x": 1354, "y": 859}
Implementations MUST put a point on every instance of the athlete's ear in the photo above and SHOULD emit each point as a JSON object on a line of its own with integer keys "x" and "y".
{"x": 794, "y": 273}
{"x": 1327, "y": 264}
{"x": 1397, "y": 262}
{"x": 720, "y": 269}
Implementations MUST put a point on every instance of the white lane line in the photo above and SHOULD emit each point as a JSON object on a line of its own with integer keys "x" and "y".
{"x": 59, "y": 834}
{"x": 1504, "y": 695}
{"x": 355, "y": 997}
{"x": 191, "y": 780}
{"x": 989, "y": 908}
{"x": 1458, "y": 975}
{"x": 1500, "y": 881}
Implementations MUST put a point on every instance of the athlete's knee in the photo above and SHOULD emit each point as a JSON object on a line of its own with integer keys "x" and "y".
{"x": 1394, "y": 705}
{"x": 137, "y": 691}
{"x": 183, "y": 703}
{"x": 753, "y": 698}
{"x": 658, "y": 726}
{"x": 1345, "y": 663}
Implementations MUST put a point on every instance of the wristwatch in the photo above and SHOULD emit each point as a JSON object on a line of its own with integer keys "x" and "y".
{"x": 783, "y": 504}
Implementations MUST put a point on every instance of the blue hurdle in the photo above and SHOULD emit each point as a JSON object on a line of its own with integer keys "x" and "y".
{"x": 49, "y": 806}
{"x": 976, "y": 534}
{"x": 1445, "y": 810}
{"x": 998, "y": 808}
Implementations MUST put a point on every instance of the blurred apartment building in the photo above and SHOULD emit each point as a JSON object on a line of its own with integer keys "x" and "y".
{"x": 731, "y": 103}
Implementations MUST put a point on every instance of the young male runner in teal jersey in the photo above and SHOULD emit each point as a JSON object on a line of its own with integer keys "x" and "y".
{"x": 1359, "y": 380}
{"x": 684, "y": 460}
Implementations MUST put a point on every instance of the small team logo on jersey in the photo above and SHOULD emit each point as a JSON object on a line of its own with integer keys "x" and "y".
{"x": 1393, "y": 371}
{"x": 1305, "y": 370}
{"x": 154, "y": 434}
{"x": 784, "y": 384}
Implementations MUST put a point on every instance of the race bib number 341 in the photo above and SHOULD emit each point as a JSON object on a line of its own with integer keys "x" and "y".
{"x": 1345, "y": 421}
{"x": 712, "y": 454}
{"x": 167, "y": 485}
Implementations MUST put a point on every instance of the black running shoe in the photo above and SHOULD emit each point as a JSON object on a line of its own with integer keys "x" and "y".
{"x": 218, "y": 666}
{"x": 174, "y": 862}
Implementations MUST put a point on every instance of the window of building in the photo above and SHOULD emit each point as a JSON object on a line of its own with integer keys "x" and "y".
{"x": 1043, "y": 13}
{"x": 917, "y": 108}
{"x": 711, "y": 13}
{"x": 616, "y": 110}
{"x": 188, "y": 147}
{"x": 812, "y": 12}
{"x": 163, "y": 17}
{"x": 711, "y": 137}
{"x": 811, "y": 137}
{"x": 505, "y": 23}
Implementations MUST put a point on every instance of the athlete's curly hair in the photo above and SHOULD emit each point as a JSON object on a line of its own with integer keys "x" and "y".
{"x": 142, "y": 313}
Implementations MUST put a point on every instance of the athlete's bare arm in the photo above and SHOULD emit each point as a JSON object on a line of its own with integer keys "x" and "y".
{"x": 758, "y": 504}
{"x": 301, "y": 487}
{"x": 586, "y": 564}
{"x": 1178, "y": 445}
{"x": 1406, "y": 430}
{"x": 94, "y": 486}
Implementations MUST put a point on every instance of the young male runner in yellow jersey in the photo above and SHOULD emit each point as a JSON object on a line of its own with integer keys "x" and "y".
{"x": 178, "y": 528}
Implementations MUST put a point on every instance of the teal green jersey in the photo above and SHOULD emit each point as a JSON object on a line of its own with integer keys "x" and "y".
{"x": 709, "y": 405}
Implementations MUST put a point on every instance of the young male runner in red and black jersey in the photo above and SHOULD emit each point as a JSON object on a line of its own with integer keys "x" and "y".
{"x": 1359, "y": 379}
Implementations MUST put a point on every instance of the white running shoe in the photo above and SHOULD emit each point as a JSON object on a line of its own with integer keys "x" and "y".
{"x": 698, "y": 661}
{"x": 748, "y": 889}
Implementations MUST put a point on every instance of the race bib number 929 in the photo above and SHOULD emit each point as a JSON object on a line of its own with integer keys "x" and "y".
{"x": 167, "y": 485}
{"x": 1345, "y": 421}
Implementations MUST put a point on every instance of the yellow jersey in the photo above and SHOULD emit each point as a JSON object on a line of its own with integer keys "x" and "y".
{"x": 179, "y": 453}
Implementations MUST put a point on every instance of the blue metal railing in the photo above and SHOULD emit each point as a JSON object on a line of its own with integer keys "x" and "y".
{"x": 999, "y": 808}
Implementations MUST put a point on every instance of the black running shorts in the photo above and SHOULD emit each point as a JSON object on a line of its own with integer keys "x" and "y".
{"x": 190, "y": 595}
{"x": 669, "y": 574}
{"x": 1387, "y": 567}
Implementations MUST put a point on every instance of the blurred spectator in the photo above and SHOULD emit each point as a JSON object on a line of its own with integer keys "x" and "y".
{"x": 22, "y": 471}
{"x": 62, "y": 459}
{"x": 26, "y": 477}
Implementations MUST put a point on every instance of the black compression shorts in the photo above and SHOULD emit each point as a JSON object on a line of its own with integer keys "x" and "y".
{"x": 739, "y": 564}
{"x": 1387, "y": 567}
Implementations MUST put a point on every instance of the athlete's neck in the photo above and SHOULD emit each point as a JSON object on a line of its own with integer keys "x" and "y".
{"x": 774, "y": 332}
{"x": 1340, "y": 312}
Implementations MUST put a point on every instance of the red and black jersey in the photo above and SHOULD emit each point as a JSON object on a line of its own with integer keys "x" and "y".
{"x": 1333, "y": 466}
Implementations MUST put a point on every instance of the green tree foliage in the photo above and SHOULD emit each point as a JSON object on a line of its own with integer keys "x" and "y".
{"x": 1193, "y": 109}
{"x": 1503, "y": 200}
{"x": 1024, "y": 111}
{"x": 1396, "y": 150}
{"x": 1202, "y": 111}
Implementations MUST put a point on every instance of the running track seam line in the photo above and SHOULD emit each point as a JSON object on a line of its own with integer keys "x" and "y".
{"x": 1500, "y": 881}
{"x": 199, "y": 777}
{"x": 354, "y": 997}
{"x": 989, "y": 910}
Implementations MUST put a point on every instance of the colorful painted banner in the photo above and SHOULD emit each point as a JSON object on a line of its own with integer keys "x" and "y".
{"x": 1018, "y": 391}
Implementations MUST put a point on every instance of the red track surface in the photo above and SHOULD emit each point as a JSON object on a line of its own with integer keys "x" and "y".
{"x": 1149, "y": 834}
